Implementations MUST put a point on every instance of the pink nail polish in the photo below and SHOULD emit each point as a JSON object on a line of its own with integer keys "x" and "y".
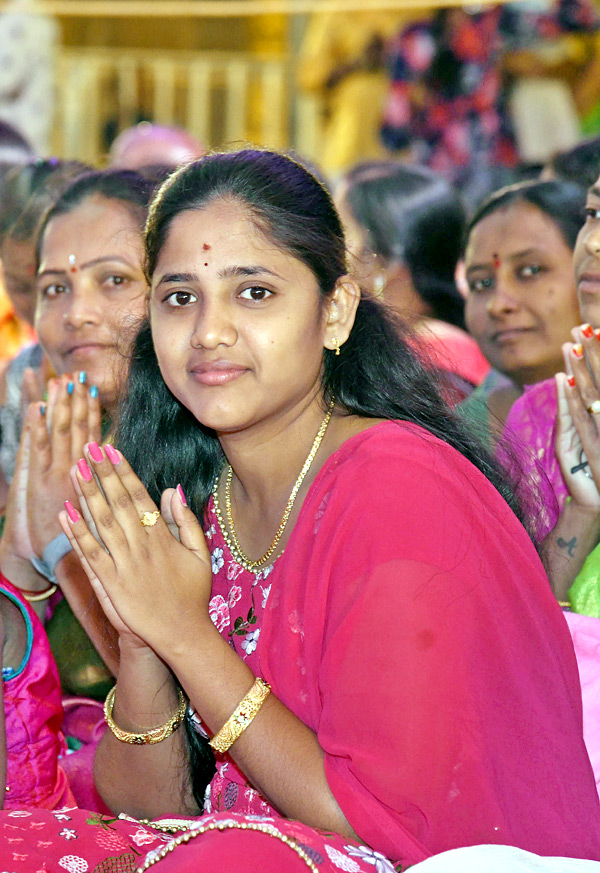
{"x": 112, "y": 454}
{"x": 86, "y": 473}
{"x": 71, "y": 512}
{"x": 95, "y": 452}
{"x": 181, "y": 495}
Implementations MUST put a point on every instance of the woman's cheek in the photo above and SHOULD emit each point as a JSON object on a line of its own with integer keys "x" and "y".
{"x": 475, "y": 317}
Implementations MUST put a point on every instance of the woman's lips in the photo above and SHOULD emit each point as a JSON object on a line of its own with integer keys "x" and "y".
{"x": 217, "y": 374}
{"x": 84, "y": 350}
{"x": 589, "y": 283}
{"x": 509, "y": 335}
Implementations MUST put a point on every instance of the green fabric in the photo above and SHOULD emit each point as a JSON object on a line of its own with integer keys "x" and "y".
{"x": 584, "y": 593}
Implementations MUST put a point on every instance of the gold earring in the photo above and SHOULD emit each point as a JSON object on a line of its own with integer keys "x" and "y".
{"x": 336, "y": 345}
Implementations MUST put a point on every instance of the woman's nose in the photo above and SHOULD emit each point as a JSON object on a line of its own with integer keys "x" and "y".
{"x": 82, "y": 307}
{"x": 501, "y": 302}
{"x": 214, "y": 327}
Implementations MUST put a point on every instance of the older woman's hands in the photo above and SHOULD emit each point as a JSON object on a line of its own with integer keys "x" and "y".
{"x": 73, "y": 417}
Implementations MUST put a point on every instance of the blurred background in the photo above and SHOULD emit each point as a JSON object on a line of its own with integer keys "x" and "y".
{"x": 304, "y": 74}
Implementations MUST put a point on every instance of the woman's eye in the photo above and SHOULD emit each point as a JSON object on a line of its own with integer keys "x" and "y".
{"x": 591, "y": 213}
{"x": 115, "y": 280}
{"x": 54, "y": 290}
{"x": 478, "y": 286}
{"x": 530, "y": 270}
{"x": 256, "y": 293}
{"x": 180, "y": 298}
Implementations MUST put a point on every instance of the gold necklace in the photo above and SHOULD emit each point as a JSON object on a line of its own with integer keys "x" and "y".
{"x": 233, "y": 542}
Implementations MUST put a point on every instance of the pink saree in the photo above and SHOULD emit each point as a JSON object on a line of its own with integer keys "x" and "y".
{"x": 410, "y": 624}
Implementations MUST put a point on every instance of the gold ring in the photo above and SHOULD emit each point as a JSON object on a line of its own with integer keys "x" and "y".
{"x": 594, "y": 408}
{"x": 149, "y": 519}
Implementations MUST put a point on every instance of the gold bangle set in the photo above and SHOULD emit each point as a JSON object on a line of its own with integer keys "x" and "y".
{"x": 243, "y": 715}
{"x": 150, "y": 736}
{"x": 233, "y": 728}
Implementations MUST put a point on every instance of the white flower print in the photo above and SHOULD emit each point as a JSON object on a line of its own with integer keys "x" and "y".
{"x": 68, "y": 834}
{"x": 342, "y": 861}
{"x": 265, "y": 593}
{"x": 142, "y": 837}
{"x": 219, "y": 612}
{"x": 61, "y": 816}
{"x": 209, "y": 534}
{"x": 250, "y": 641}
{"x": 234, "y": 595}
{"x": 233, "y": 570}
{"x": 74, "y": 864}
{"x": 369, "y": 856}
{"x": 217, "y": 560}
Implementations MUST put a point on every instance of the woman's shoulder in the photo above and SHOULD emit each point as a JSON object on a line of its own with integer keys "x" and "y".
{"x": 395, "y": 455}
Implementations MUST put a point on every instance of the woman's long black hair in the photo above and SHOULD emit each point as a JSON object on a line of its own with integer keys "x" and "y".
{"x": 375, "y": 376}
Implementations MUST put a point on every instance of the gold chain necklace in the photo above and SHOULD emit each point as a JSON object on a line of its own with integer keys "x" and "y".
{"x": 233, "y": 542}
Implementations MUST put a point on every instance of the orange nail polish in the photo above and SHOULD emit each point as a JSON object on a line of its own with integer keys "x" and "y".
{"x": 578, "y": 350}
{"x": 571, "y": 381}
{"x": 586, "y": 330}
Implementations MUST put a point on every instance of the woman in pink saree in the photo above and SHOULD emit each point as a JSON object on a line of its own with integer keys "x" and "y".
{"x": 381, "y": 677}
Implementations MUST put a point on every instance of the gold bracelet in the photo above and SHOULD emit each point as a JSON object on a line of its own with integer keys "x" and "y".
{"x": 244, "y": 713}
{"x": 564, "y": 604}
{"x": 37, "y": 597}
{"x": 152, "y": 735}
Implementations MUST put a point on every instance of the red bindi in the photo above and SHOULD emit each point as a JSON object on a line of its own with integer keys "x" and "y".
{"x": 496, "y": 261}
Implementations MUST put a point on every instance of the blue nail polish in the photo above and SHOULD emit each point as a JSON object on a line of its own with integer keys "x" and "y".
{"x": 70, "y": 387}
{"x": 43, "y": 409}
{"x": 82, "y": 377}
{"x": 94, "y": 391}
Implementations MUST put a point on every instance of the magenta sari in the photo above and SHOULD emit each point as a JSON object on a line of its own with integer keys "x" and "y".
{"x": 410, "y": 624}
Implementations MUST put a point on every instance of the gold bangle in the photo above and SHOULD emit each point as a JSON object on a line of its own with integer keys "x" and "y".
{"x": 564, "y": 604}
{"x": 243, "y": 715}
{"x": 33, "y": 597}
{"x": 150, "y": 736}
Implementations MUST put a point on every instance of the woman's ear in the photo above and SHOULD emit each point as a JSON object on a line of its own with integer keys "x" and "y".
{"x": 341, "y": 311}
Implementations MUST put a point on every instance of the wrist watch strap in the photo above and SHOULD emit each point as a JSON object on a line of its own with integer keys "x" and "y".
{"x": 54, "y": 551}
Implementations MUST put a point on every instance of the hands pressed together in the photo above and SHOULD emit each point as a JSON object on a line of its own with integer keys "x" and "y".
{"x": 578, "y": 418}
{"x": 151, "y": 583}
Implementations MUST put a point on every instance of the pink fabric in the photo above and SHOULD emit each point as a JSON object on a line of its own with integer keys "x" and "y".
{"x": 527, "y": 450}
{"x": 396, "y": 580}
{"x": 585, "y": 633}
{"x": 33, "y": 717}
{"x": 75, "y": 841}
{"x": 409, "y": 623}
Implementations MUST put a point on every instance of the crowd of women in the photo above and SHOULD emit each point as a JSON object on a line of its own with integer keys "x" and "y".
{"x": 299, "y": 564}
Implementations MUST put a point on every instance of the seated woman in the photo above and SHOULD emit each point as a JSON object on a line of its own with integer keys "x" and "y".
{"x": 28, "y": 192}
{"x": 522, "y": 300}
{"x": 380, "y": 675}
{"x": 405, "y": 228}
{"x": 91, "y": 295}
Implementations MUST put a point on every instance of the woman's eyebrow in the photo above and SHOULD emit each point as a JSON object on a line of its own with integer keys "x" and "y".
{"x": 253, "y": 270}
{"x": 168, "y": 278}
{"x": 93, "y": 263}
{"x": 225, "y": 273}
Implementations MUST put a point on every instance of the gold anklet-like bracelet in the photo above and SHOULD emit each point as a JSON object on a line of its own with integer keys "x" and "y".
{"x": 242, "y": 716}
{"x": 150, "y": 736}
